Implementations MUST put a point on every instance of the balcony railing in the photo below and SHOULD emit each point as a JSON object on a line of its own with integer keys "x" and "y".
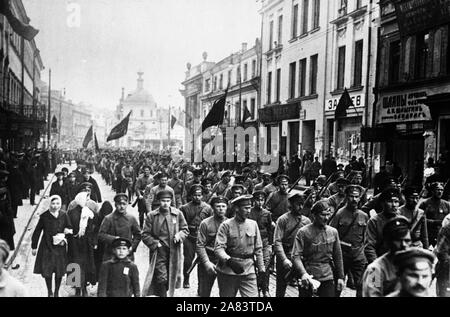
{"x": 37, "y": 112}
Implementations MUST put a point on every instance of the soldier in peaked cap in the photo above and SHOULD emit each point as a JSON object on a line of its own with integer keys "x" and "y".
{"x": 221, "y": 188}
{"x": 411, "y": 264}
{"x": 374, "y": 241}
{"x": 416, "y": 217}
{"x": 285, "y": 232}
{"x": 351, "y": 223}
{"x": 165, "y": 229}
{"x": 235, "y": 191}
{"x": 380, "y": 277}
{"x": 194, "y": 212}
{"x": 337, "y": 200}
{"x": 206, "y": 237}
{"x": 151, "y": 192}
{"x": 264, "y": 220}
{"x": 196, "y": 180}
{"x": 314, "y": 243}
{"x": 277, "y": 202}
{"x": 238, "y": 242}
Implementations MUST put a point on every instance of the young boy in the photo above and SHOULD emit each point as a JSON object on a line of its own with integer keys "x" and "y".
{"x": 119, "y": 277}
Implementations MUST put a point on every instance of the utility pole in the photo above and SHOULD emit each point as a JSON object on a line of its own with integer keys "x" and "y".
{"x": 49, "y": 107}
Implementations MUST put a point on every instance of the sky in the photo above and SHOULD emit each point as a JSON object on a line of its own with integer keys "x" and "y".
{"x": 114, "y": 39}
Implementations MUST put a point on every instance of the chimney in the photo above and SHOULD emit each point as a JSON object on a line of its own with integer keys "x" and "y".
{"x": 244, "y": 47}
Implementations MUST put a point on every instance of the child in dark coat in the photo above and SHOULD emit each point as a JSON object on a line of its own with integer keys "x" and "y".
{"x": 119, "y": 277}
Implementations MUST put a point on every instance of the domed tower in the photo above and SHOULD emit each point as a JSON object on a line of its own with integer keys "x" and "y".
{"x": 143, "y": 128}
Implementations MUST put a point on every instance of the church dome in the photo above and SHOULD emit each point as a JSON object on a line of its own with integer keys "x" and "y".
{"x": 140, "y": 95}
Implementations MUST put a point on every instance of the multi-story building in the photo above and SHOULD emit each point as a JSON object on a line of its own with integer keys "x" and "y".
{"x": 294, "y": 47}
{"x": 82, "y": 121}
{"x": 350, "y": 64}
{"x": 23, "y": 117}
{"x": 413, "y": 84}
{"x": 192, "y": 92}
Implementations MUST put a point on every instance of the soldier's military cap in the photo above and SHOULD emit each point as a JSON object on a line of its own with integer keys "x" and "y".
{"x": 409, "y": 257}
{"x": 244, "y": 200}
{"x": 84, "y": 186}
{"x": 59, "y": 173}
{"x": 281, "y": 177}
{"x": 267, "y": 174}
{"x": 72, "y": 175}
{"x": 389, "y": 193}
{"x": 65, "y": 169}
{"x": 121, "y": 242}
{"x": 4, "y": 173}
{"x": 341, "y": 181}
{"x": 146, "y": 166}
{"x": 259, "y": 193}
{"x": 410, "y": 191}
{"x": 219, "y": 200}
{"x": 320, "y": 206}
{"x": 196, "y": 187}
{"x": 352, "y": 189}
{"x": 395, "y": 228}
{"x": 164, "y": 194}
{"x": 238, "y": 186}
{"x": 296, "y": 196}
{"x": 121, "y": 197}
{"x": 340, "y": 165}
{"x": 321, "y": 179}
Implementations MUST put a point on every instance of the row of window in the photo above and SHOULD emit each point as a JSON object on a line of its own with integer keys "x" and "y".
{"x": 251, "y": 109}
{"x": 218, "y": 80}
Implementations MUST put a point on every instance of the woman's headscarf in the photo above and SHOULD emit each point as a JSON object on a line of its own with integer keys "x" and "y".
{"x": 56, "y": 197}
{"x": 81, "y": 200}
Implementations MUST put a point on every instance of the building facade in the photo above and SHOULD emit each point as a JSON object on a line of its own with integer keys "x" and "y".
{"x": 413, "y": 84}
{"x": 23, "y": 117}
{"x": 350, "y": 64}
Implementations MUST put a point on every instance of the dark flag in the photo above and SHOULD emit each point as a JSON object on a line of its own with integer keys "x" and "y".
{"x": 88, "y": 137}
{"x": 97, "y": 148}
{"x": 119, "y": 130}
{"x": 344, "y": 103}
{"x": 247, "y": 114}
{"x": 24, "y": 30}
{"x": 215, "y": 115}
{"x": 173, "y": 121}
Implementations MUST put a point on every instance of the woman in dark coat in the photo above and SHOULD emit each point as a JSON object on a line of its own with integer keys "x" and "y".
{"x": 52, "y": 255}
{"x": 83, "y": 241}
{"x": 7, "y": 229}
{"x": 105, "y": 210}
{"x": 15, "y": 185}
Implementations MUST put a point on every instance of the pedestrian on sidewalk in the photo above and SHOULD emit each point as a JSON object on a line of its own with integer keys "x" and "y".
{"x": 9, "y": 286}
{"x": 119, "y": 277}
{"x": 51, "y": 257}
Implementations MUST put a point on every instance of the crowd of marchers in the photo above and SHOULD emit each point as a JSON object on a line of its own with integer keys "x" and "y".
{"x": 234, "y": 223}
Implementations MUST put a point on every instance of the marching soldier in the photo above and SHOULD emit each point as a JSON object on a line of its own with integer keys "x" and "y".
{"x": 235, "y": 191}
{"x": 374, "y": 241}
{"x": 177, "y": 185}
{"x": 271, "y": 187}
{"x": 435, "y": 209}
{"x": 214, "y": 174}
{"x": 165, "y": 229}
{"x": 442, "y": 252}
{"x": 337, "y": 201}
{"x": 238, "y": 242}
{"x": 194, "y": 212}
{"x": 317, "y": 255}
{"x": 380, "y": 277}
{"x": 266, "y": 180}
{"x": 351, "y": 224}
{"x": 207, "y": 190}
{"x": 222, "y": 187}
{"x": 119, "y": 224}
{"x": 206, "y": 237}
{"x": 196, "y": 180}
{"x": 264, "y": 220}
{"x": 139, "y": 188}
{"x": 277, "y": 202}
{"x": 415, "y": 272}
{"x": 284, "y": 237}
{"x": 152, "y": 191}
{"x": 416, "y": 218}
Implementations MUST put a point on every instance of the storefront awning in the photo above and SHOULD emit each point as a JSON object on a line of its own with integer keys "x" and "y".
{"x": 279, "y": 113}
